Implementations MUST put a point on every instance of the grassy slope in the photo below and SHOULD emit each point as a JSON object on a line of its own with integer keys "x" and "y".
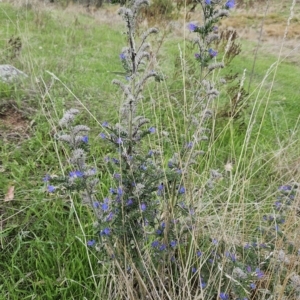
{"x": 43, "y": 251}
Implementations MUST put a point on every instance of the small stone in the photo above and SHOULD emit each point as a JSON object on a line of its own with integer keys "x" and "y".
{"x": 9, "y": 73}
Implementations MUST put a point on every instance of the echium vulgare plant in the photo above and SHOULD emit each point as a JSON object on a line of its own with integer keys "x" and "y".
{"x": 148, "y": 219}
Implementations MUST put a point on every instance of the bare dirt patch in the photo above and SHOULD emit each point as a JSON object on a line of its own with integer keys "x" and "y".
{"x": 14, "y": 125}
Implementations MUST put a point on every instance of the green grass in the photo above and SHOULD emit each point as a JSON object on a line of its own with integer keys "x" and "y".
{"x": 43, "y": 237}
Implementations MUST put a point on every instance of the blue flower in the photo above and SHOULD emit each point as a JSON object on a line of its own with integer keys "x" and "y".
{"x": 129, "y": 202}
{"x": 192, "y": 27}
{"x": 105, "y": 231}
{"x": 76, "y": 174}
{"x": 102, "y": 135}
{"x": 85, "y": 139}
{"x": 212, "y": 53}
{"x": 224, "y": 296}
{"x": 119, "y": 191}
{"x": 119, "y": 141}
{"x": 47, "y": 178}
{"x": 155, "y": 244}
{"x": 91, "y": 243}
{"x": 181, "y": 190}
{"x": 109, "y": 217}
{"x": 143, "y": 167}
{"x": 259, "y": 273}
{"x": 51, "y": 188}
{"x": 252, "y": 286}
{"x": 117, "y": 176}
{"x": 104, "y": 206}
{"x": 143, "y": 206}
{"x": 173, "y": 244}
{"x": 285, "y": 188}
{"x": 122, "y": 56}
{"x": 170, "y": 164}
{"x": 105, "y": 124}
{"x": 199, "y": 253}
{"x": 152, "y": 129}
{"x": 207, "y": 2}
{"x": 159, "y": 231}
{"x": 231, "y": 256}
{"x": 189, "y": 145}
{"x": 96, "y": 204}
{"x": 178, "y": 171}
{"x": 160, "y": 189}
{"x": 150, "y": 153}
{"x": 230, "y": 4}
{"x": 182, "y": 205}
{"x": 162, "y": 247}
{"x": 215, "y": 241}
{"x": 194, "y": 270}
{"x": 202, "y": 283}
{"x": 116, "y": 161}
{"x": 247, "y": 246}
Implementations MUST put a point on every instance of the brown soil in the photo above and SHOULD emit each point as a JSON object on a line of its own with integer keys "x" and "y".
{"x": 13, "y": 123}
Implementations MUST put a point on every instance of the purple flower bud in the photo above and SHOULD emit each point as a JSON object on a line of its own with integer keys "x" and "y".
{"x": 212, "y": 53}
{"x": 76, "y": 174}
{"x": 173, "y": 244}
{"x": 85, "y": 139}
{"x": 104, "y": 206}
{"x": 129, "y": 202}
{"x": 143, "y": 207}
{"x": 162, "y": 247}
{"x": 159, "y": 231}
{"x": 252, "y": 286}
{"x": 155, "y": 244}
{"x": 119, "y": 191}
{"x": 152, "y": 129}
{"x": 105, "y": 231}
{"x": 230, "y": 4}
{"x": 91, "y": 243}
{"x": 181, "y": 190}
{"x": 47, "y": 178}
{"x": 259, "y": 273}
{"x": 189, "y": 145}
{"x": 192, "y": 27}
{"x": 224, "y": 296}
{"x": 51, "y": 188}
{"x": 285, "y": 188}
{"x": 215, "y": 241}
{"x": 109, "y": 217}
